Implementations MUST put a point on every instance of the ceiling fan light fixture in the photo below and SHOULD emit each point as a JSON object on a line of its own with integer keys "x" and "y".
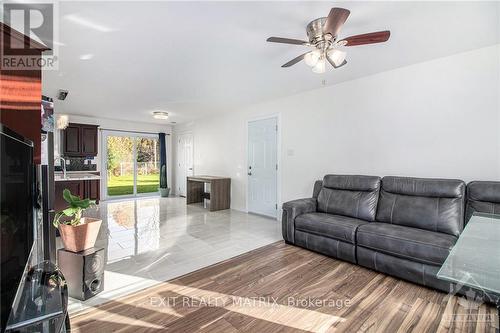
{"x": 320, "y": 67}
{"x": 312, "y": 58}
{"x": 323, "y": 36}
{"x": 337, "y": 56}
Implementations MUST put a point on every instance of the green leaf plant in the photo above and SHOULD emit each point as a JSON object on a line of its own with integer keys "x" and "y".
{"x": 74, "y": 211}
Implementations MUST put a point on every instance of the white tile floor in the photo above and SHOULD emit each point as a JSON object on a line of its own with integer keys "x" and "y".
{"x": 149, "y": 240}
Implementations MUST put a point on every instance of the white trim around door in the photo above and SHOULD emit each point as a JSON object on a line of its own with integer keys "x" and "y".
{"x": 184, "y": 161}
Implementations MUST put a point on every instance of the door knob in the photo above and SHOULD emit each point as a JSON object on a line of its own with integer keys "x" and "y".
{"x": 250, "y": 173}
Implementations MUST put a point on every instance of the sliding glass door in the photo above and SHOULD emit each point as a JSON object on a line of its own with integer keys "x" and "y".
{"x": 131, "y": 162}
{"x": 120, "y": 176}
{"x": 148, "y": 164}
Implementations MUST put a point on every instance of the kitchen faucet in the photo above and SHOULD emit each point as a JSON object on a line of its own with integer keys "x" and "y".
{"x": 63, "y": 164}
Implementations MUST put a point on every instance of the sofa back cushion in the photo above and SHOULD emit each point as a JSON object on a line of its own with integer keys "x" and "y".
{"x": 353, "y": 196}
{"x": 483, "y": 197}
{"x": 424, "y": 203}
{"x": 318, "y": 185}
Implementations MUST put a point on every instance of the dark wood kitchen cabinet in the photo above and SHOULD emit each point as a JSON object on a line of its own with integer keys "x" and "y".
{"x": 72, "y": 140}
{"x": 83, "y": 188}
{"x": 89, "y": 140}
{"x": 74, "y": 186}
{"x": 80, "y": 140}
{"x": 92, "y": 189}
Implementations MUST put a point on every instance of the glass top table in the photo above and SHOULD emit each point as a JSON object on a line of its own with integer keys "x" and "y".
{"x": 41, "y": 301}
{"x": 474, "y": 261}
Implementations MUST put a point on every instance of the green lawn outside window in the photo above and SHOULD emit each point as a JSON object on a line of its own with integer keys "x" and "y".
{"x": 124, "y": 185}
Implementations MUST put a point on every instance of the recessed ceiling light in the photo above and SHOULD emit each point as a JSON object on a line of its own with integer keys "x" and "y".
{"x": 160, "y": 115}
{"x": 86, "y": 56}
{"x": 87, "y": 23}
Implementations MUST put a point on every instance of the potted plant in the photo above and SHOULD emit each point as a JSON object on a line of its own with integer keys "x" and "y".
{"x": 77, "y": 233}
{"x": 164, "y": 189}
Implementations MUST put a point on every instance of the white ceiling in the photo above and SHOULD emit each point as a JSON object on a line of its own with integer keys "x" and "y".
{"x": 197, "y": 58}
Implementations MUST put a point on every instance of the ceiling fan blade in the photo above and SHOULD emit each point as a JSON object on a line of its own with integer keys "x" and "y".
{"x": 370, "y": 38}
{"x": 336, "y": 20}
{"x": 287, "y": 41}
{"x": 333, "y": 64}
{"x": 295, "y": 60}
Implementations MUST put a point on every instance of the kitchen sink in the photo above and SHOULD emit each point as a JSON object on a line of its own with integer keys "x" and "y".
{"x": 76, "y": 176}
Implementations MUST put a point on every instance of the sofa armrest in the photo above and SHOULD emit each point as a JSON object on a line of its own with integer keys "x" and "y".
{"x": 291, "y": 210}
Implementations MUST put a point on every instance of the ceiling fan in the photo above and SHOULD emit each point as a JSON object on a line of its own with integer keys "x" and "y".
{"x": 323, "y": 36}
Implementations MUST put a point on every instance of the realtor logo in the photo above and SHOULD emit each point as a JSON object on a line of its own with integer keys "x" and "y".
{"x": 473, "y": 299}
{"x": 36, "y": 21}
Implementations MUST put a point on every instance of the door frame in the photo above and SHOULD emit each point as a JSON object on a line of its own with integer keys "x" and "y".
{"x": 277, "y": 116}
{"x": 104, "y": 166}
{"x": 177, "y": 166}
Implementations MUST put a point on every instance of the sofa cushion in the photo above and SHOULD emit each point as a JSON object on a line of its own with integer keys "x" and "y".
{"x": 430, "y": 204}
{"x": 352, "y": 196}
{"x": 325, "y": 245}
{"x": 483, "y": 197}
{"x": 327, "y": 225}
{"x": 423, "y": 246}
{"x": 318, "y": 185}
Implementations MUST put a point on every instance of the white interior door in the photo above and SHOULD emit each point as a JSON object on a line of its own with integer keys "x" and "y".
{"x": 184, "y": 161}
{"x": 262, "y": 166}
{"x": 188, "y": 153}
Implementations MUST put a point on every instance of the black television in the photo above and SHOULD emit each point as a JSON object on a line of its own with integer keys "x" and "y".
{"x": 17, "y": 198}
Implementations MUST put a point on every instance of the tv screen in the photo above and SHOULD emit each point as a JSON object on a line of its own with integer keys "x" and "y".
{"x": 17, "y": 214}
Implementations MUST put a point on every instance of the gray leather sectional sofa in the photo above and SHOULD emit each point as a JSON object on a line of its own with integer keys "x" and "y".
{"x": 401, "y": 226}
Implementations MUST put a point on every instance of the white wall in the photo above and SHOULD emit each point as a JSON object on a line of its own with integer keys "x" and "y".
{"x": 116, "y": 124}
{"x": 434, "y": 119}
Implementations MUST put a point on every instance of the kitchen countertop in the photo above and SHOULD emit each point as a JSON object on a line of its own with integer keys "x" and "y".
{"x": 76, "y": 175}
{"x": 95, "y": 172}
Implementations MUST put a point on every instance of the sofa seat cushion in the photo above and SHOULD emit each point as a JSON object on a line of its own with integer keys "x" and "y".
{"x": 419, "y": 245}
{"x": 338, "y": 227}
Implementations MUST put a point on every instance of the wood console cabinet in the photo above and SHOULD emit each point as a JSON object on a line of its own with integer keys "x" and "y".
{"x": 83, "y": 188}
{"x": 219, "y": 195}
{"x": 80, "y": 140}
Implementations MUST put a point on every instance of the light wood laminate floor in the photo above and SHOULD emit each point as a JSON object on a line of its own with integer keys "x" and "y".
{"x": 151, "y": 240}
{"x": 282, "y": 288}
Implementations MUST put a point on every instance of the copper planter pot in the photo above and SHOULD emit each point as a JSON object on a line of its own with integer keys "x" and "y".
{"x": 80, "y": 237}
